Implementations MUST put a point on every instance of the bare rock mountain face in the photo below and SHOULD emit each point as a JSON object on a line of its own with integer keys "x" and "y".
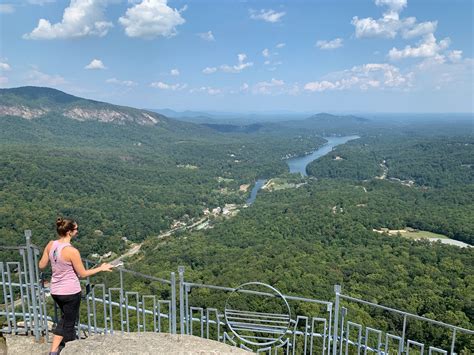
{"x": 31, "y": 102}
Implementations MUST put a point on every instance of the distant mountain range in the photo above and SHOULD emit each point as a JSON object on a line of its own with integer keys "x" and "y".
{"x": 32, "y": 102}
{"x": 220, "y": 117}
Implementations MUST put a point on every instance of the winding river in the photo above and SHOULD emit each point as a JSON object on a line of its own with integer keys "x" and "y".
{"x": 299, "y": 164}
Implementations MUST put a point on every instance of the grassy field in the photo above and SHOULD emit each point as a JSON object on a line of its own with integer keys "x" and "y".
{"x": 423, "y": 234}
{"x": 410, "y": 233}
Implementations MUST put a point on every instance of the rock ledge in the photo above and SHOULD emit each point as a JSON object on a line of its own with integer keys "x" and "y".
{"x": 127, "y": 343}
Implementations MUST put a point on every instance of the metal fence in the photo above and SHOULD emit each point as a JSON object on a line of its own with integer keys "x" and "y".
{"x": 253, "y": 316}
{"x": 28, "y": 308}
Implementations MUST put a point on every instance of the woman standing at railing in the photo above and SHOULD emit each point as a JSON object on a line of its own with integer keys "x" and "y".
{"x": 67, "y": 267}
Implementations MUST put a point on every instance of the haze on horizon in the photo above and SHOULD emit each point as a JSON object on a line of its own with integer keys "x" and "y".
{"x": 256, "y": 56}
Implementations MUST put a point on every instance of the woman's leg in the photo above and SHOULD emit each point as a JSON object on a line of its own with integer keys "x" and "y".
{"x": 65, "y": 329}
{"x": 71, "y": 312}
{"x": 58, "y": 331}
{"x": 57, "y": 339}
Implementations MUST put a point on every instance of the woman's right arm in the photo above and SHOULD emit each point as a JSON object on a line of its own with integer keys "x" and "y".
{"x": 45, "y": 258}
{"x": 76, "y": 261}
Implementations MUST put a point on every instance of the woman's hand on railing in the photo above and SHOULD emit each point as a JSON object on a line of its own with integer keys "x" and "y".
{"x": 106, "y": 267}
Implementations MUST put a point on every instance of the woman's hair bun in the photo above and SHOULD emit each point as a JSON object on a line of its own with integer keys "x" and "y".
{"x": 64, "y": 225}
{"x": 59, "y": 221}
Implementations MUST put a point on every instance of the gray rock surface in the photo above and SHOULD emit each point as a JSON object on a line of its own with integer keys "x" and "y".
{"x": 20, "y": 344}
{"x": 128, "y": 343}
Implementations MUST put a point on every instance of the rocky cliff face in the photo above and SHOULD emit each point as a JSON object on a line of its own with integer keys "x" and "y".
{"x": 34, "y": 102}
{"x": 110, "y": 116}
{"x": 22, "y": 111}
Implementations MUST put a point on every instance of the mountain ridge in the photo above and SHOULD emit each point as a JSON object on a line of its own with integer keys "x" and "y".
{"x": 32, "y": 102}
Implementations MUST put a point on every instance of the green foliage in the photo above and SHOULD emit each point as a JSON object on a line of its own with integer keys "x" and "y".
{"x": 437, "y": 162}
{"x": 124, "y": 181}
{"x": 294, "y": 241}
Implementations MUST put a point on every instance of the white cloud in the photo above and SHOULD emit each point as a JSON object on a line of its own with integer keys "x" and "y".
{"x": 174, "y": 72}
{"x": 390, "y": 24}
{"x": 372, "y": 75}
{"x": 163, "y": 86}
{"x": 268, "y": 87}
{"x": 439, "y": 73}
{"x": 280, "y": 45}
{"x": 386, "y": 27}
{"x": 206, "y": 89}
{"x": 394, "y": 5}
{"x": 150, "y": 19}
{"x": 115, "y": 81}
{"x": 431, "y": 62}
{"x": 209, "y": 70}
{"x": 266, "y": 53}
{"x": 7, "y": 9}
{"x": 81, "y": 18}
{"x": 266, "y": 15}
{"x": 335, "y": 43}
{"x": 95, "y": 64}
{"x": 455, "y": 55}
{"x": 428, "y": 47}
{"x": 207, "y": 36}
{"x": 432, "y": 52}
{"x": 3, "y": 80}
{"x": 4, "y": 66}
{"x": 274, "y": 64}
{"x": 237, "y": 68}
{"x": 36, "y": 77}
{"x": 420, "y": 29}
{"x": 212, "y": 91}
{"x": 244, "y": 87}
{"x": 320, "y": 86}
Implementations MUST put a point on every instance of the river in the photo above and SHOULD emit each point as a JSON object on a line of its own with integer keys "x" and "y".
{"x": 299, "y": 164}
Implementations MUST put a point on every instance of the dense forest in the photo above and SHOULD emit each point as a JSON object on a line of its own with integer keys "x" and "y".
{"x": 293, "y": 240}
{"x": 126, "y": 181}
{"x": 430, "y": 180}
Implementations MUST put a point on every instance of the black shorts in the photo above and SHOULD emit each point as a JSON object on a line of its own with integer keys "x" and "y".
{"x": 69, "y": 305}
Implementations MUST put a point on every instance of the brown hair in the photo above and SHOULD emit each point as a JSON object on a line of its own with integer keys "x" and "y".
{"x": 64, "y": 225}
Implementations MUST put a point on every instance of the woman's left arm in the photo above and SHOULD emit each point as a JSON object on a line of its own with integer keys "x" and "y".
{"x": 45, "y": 258}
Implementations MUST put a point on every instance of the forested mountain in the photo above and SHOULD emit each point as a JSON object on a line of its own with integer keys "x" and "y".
{"x": 124, "y": 180}
{"x": 33, "y": 102}
{"x": 328, "y": 124}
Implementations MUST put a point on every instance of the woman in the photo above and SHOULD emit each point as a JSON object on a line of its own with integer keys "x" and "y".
{"x": 65, "y": 288}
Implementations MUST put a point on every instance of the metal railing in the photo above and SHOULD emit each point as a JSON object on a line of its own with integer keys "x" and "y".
{"x": 256, "y": 317}
{"x": 128, "y": 305}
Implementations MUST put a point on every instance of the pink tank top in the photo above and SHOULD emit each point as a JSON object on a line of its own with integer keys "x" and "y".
{"x": 64, "y": 280}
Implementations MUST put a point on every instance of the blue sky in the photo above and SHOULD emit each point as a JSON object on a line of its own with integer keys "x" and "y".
{"x": 246, "y": 56}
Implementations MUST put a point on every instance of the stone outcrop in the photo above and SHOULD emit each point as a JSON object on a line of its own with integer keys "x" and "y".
{"x": 35, "y": 102}
{"x": 22, "y": 111}
{"x": 127, "y": 344}
{"x": 109, "y": 115}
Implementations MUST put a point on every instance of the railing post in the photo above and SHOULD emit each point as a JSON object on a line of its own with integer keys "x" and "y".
{"x": 453, "y": 341}
{"x": 337, "y": 290}
{"x": 173, "y": 302}
{"x": 404, "y": 332}
{"x": 181, "y": 298}
{"x": 341, "y": 339}
{"x": 31, "y": 270}
{"x": 121, "y": 299}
